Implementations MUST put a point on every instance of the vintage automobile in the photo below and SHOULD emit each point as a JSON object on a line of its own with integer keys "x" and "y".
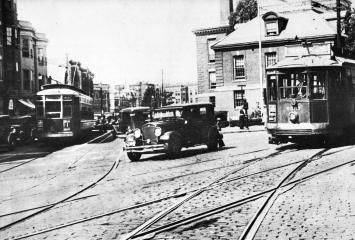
{"x": 132, "y": 118}
{"x": 7, "y": 133}
{"x": 25, "y": 128}
{"x": 174, "y": 127}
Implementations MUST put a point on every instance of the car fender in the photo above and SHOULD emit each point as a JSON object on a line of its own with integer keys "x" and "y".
{"x": 166, "y": 136}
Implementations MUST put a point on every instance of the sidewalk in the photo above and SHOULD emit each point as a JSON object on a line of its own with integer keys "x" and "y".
{"x": 254, "y": 128}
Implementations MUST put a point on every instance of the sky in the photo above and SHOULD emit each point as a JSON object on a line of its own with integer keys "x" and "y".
{"x": 123, "y": 41}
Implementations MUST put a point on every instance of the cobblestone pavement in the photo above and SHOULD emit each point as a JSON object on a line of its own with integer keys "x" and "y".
{"x": 260, "y": 165}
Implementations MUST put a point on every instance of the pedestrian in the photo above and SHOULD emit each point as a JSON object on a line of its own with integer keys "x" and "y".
{"x": 241, "y": 118}
{"x": 246, "y": 119}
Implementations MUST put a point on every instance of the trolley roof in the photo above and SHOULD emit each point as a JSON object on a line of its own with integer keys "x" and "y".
{"x": 60, "y": 89}
{"x": 312, "y": 61}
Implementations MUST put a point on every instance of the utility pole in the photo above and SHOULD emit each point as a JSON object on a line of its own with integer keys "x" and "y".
{"x": 162, "y": 86}
{"x": 101, "y": 99}
{"x": 259, "y": 3}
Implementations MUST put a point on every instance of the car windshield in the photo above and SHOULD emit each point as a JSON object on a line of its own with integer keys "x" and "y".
{"x": 166, "y": 114}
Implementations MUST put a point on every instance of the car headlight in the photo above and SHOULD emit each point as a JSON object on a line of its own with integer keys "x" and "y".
{"x": 157, "y": 131}
{"x": 137, "y": 133}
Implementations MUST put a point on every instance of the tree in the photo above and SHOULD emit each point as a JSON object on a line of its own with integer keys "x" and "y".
{"x": 348, "y": 27}
{"x": 149, "y": 98}
{"x": 244, "y": 12}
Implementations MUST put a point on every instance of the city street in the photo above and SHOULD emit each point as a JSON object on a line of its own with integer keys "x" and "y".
{"x": 91, "y": 190}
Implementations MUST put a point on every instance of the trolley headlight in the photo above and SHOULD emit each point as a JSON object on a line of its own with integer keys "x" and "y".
{"x": 137, "y": 133}
{"x": 293, "y": 116}
{"x": 157, "y": 131}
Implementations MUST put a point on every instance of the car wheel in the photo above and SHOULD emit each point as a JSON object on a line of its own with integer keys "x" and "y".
{"x": 11, "y": 141}
{"x": 212, "y": 144}
{"x": 133, "y": 156}
{"x": 174, "y": 147}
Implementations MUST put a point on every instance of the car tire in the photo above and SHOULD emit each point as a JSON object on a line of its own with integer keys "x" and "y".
{"x": 212, "y": 144}
{"x": 174, "y": 146}
{"x": 133, "y": 156}
{"x": 11, "y": 141}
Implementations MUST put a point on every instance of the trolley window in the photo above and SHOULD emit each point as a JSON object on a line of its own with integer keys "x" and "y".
{"x": 39, "y": 110}
{"x": 53, "y": 109}
{"x": 317, "y": 85}
{"x": 293, "y": 85}
{"x": 272, "y": 89}
{"x": 67, "y": 109}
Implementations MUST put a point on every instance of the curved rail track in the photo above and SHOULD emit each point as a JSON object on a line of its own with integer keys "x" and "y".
{"x": 68, "y": 198}
{"x": 142, "y": 230}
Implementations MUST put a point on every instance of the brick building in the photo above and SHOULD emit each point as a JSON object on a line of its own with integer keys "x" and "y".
{"x": 137, "y": 92}
{"x": 179, "y": 93}
{"x": 10, "y": 55}
{"x": 228, "y": 74}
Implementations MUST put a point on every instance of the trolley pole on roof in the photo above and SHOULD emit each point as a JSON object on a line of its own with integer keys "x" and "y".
{"x": 162, "y": 86}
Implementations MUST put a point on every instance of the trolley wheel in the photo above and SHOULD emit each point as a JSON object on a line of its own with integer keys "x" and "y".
{"x": 133, "y": 156}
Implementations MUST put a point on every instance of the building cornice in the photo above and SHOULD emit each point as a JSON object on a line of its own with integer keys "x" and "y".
{"x": 211, "y": 30}
{"x": 273, "y": 42}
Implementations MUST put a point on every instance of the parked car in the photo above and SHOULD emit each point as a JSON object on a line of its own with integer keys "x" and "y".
{"x": 174, "y": 127}
{"x": 7, "y": 133}
{"x": 132, "y": 118}
{"x": 26, "y": 128}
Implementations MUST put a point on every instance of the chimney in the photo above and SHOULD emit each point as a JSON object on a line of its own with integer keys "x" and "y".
{"x": 226, "y": 8}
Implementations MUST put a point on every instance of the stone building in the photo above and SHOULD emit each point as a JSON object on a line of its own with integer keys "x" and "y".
{"x": 137, "y": 90}
{"x": 287, "y": 27}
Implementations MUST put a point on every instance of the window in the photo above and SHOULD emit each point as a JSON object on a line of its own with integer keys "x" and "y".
{"x": 270, "y": 59}
{"x": 25, "y": 48}
{"x": 293, "y": 85}
{"x": 213, "y": 100}
{"x": 212, "y": 79}
{"x": 211, "y": 54}
{"x": 317, "y": 86}
{"x": 40, "y": 54}
{"x": 26, "y": 79}
{"x": 272, "y": 89}
{"x": 271, "y": 28}
{"x": 239, "y": 71}
{"x": 238, "y": 98}
{"x": 9, "y": 36}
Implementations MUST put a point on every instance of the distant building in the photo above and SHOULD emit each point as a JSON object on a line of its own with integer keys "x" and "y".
{"x": 138, "y": 91}
{"x": 101, "y": 98}
{"x": 192, "y": 93}
{"x": 179, "y": 93}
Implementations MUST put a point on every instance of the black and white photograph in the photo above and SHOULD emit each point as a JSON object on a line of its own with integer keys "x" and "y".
{"x": 177, "y": 119}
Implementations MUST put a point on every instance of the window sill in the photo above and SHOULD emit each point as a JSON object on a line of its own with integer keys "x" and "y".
{"x": 239, "y": 80}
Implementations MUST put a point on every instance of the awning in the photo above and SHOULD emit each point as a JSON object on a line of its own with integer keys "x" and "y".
{"x": 27, "y": 103}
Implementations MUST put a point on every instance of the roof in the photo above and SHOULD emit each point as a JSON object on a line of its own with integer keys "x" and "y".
{"x": 179, "y": 106}
{"x": 306, "y": 24}
{"x": 132, "y": 109}
{"x": 311, "y": 61}
{"x": 58, "y": 91}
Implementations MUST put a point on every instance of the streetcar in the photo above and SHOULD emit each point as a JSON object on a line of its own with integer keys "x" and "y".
{"x": 310, "y": 98}
{"x": 63, "y": 111}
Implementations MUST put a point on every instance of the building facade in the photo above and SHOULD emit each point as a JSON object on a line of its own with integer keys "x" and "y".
{"x": 10, "y": 58}
{"x": 192, "y": 93}
{"x": 288, "y": 27}
{"x": 101, "y": 97}
{"x": 137, "y": 92}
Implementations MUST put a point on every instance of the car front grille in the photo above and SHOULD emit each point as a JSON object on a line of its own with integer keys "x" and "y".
{"x": 148, "y": 133}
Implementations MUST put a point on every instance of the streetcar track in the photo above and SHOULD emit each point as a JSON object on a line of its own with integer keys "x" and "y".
{"x": 62, "y": 172}
{"x": 151, "y": 233}
{"x": 252, "y": 227}
{"x": 216, "y": 168}
{"x": 91, "y": 185}
{"x": 183, "y": 193}
{"x": 198, "y": 162}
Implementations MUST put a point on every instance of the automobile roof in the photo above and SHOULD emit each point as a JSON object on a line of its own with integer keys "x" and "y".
{"x": 4, "y": 116}
{"x": 186, "y": 105}
{"x": 132, "y": 109}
